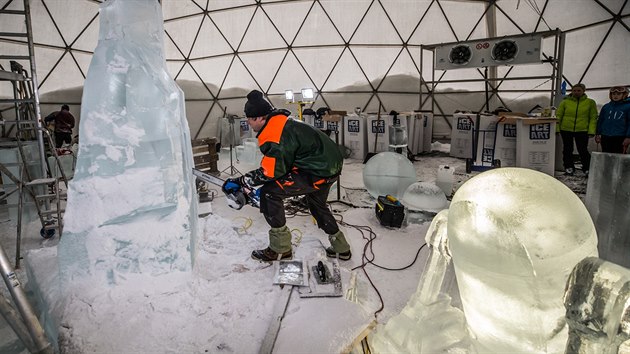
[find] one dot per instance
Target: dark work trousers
(612, 144)
(62, 137)
(294, 184)
(581, 142)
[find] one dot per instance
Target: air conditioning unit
(513, 50)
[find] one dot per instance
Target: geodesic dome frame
(354, 53)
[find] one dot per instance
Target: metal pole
(14, 320)
(38, 115)
(19, 297)
(18, 242)
(485, 76)
(338, 178)
(560, 61)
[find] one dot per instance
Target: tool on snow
(323, 274)
(236, 199)
(322, 281)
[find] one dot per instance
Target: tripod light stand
(232, 136)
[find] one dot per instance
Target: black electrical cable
(368, 256)
(297, 207)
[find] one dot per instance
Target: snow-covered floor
(226, 303)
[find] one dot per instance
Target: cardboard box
(419, 131)
(335, 127)
(317, 122)
(355, 136)
(415, 134)
(462, 134)
(536, 144)
(427, 120)
(334, 116)
(505, 144)
(485, 139)
(464, 137)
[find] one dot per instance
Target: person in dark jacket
(577, 119)
(297, 160)
(613, 125)
(64, 122)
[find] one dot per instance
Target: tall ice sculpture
(131, 205)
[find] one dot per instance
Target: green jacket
(577, 115)
(288, 144)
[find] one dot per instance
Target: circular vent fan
(460, 54)
(504, 51)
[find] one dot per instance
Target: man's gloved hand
(232, 185)
(253, 197)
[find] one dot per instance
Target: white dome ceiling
(354, 53)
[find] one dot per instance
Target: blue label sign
(378, 127)
(354, 126)
(509, 130)
(333, 126)
(319, 123)
(464, 123)
(540, 131)
(244, 126)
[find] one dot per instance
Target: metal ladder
(42, 188)
(25, 103)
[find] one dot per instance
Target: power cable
(298, 207)
(368, 256)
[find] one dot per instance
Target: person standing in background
(577, 120)
(613, 125)
(64, 122)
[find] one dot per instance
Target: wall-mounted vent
(489, 52)
(460, 54)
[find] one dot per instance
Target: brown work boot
(269, 255)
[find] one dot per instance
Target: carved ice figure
(131, 205)
(428, 324)
(515, 235)
(597, 300)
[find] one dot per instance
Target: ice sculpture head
(388, 173)
(515, 235)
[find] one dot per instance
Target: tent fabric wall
(354, 53)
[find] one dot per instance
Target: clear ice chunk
(131, 205)
(397, 136)
(608, 201)
(388, 173)
(425, 196)
(515, 235)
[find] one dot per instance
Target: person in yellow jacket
(577, 122)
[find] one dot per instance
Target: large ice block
(597, 300)
(515, 234)
(131, 205)
(608, 200)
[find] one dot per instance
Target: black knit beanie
(256, 105)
